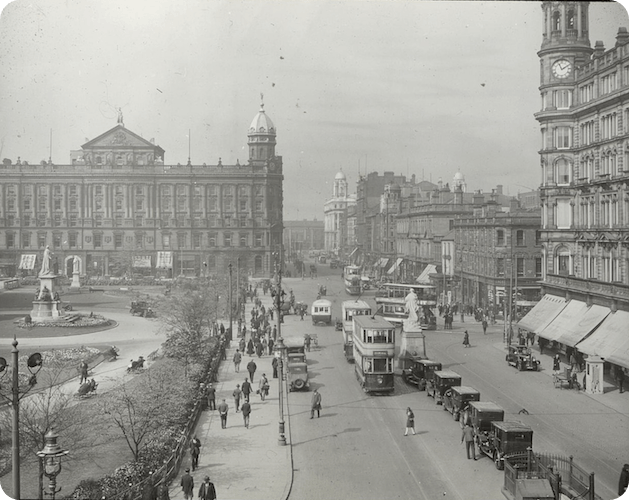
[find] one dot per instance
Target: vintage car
(505, 439)
(441, 381)
(141, 308)
(521, 357)
(296, 357)
(480, 414)
(420, 372)
(457, 398)
(297, 376)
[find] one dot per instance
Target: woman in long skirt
(410, 421)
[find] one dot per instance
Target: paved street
(358, 443)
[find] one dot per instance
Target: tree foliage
(148, 406)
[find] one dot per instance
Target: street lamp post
(51, 457)
(230, 304)
(279, 353)
(34, 364)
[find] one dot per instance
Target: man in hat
(207, 490)
(187, 485)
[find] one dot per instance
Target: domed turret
(340, 176)
(261, 138)
(459, 181)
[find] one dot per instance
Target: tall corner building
(584, 122)
(119, 208)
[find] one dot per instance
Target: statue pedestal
(76, 283)
(45, 308)
(412, 345)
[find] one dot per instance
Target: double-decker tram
(351, 276)
(349, 309)
(374, 345)
(391, 305)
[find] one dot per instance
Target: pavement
(243, 463)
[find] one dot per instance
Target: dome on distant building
(459, 181)
(261, 123)
(459, 176)
(340, 176)
(395, 187)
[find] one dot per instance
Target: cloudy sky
(414, 87)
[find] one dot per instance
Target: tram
(351, 276)
(374, 346)
(349, 309)
(391, 305)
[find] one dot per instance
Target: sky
(415, 87)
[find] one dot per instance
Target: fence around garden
(170, 469)
(563, 474)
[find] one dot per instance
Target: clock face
(562, 68)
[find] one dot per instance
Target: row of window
(587, 212)
(137, 241)
(479, 265)
(605, 267)
(561, 172)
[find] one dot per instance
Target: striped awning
(575, 322)
(610, 340)
(424, 277)
(395, 266)
(543, 313)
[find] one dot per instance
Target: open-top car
(457, 398)
(522, 358)
(420, 372)
(141, 308)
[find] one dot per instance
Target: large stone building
(584, 153)
(302, 236)
(118, 208)
(335, 211)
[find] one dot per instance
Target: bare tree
(50, 408)
(152, 402)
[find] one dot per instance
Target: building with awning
(543, 313)
(395, 265)
(575, 322)
(424, 277)
(610, 340)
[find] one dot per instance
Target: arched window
(563, 171)
(563, 264)
(570, 19)
(556, 21)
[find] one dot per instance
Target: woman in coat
(410, 421)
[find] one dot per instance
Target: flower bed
(82, 321)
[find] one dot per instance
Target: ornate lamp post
(231, 309)
(34, 364)
(279, 354)
(51, 457)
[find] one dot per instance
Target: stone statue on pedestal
(412, 308)
(46, 265)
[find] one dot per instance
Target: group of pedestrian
(207, 491)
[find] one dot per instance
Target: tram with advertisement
(351, 277)
(374, 346)
(349, 309)
(390, 303)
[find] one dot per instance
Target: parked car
(296, 357)
(457, 398)
(297, 376)
(506, 439)
(420, 372)
(480, 415)
(441, 381)
(522, 358)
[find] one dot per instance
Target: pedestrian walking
(237, 360)
(250, 349)
(274, 364)
(187, 485)
(307, 342)
(246, 412)
(246, 390)
(620, 378)
(194, 455)
(263, 387)
(466, 339)
(410, 421)
(83, 369)
(223, 409)
(207, 490)
(556, 363)
(259, 351)
(251, 368)
(211, 397)
(237, 395)
(468, 437)
(271, 343)
(242, 343)
(484, 326)
(623, 483)
(315, 404)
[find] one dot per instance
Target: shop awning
(610, 340)
(164, 260)
(395, 266)
(383, 263)
(27, 261)
(353, 252)
(424, 277)
(574, 323)
(542, 313)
